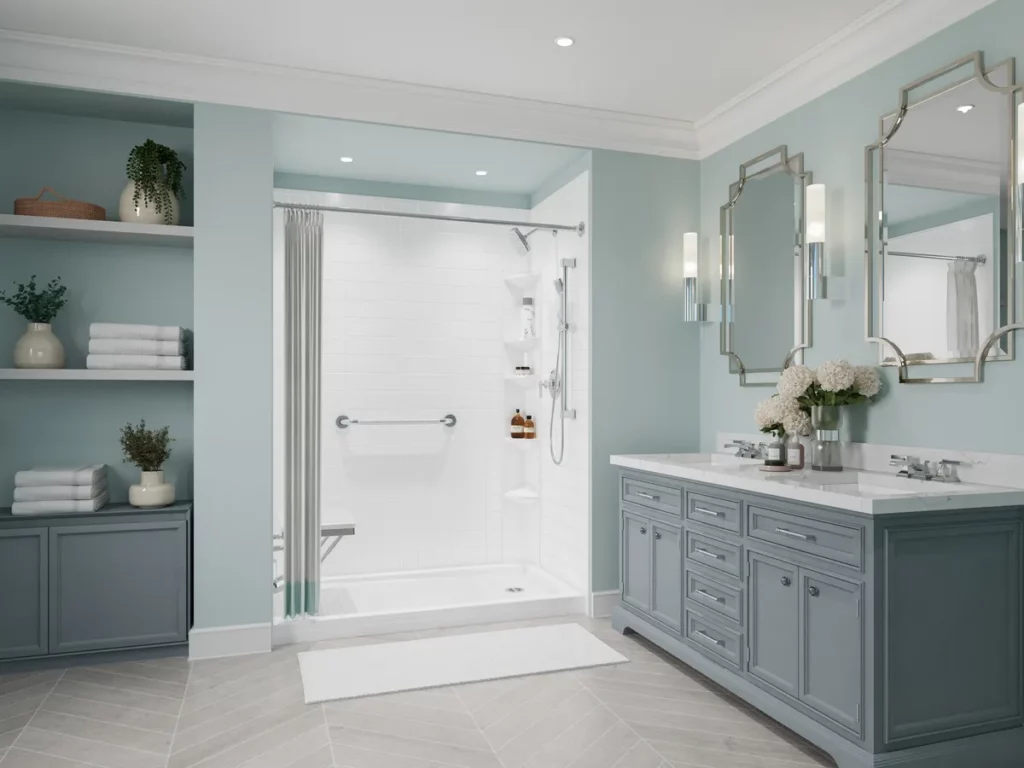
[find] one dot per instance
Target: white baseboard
(601, 603)
(237, 640)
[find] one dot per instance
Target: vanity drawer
(832, 541)
(713, 596)
(646, 494)
(714, 553)
(725, 644)
(710, 510)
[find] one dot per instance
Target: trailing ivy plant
(37, 305)
(156, 171)
(147, 449)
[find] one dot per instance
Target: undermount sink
(715, 459)
(878, 484)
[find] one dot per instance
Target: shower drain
(513, 589)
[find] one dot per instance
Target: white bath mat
(369, 670)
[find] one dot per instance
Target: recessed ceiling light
(481, 173)
(564, 42)
(346, 159)
(963, 110)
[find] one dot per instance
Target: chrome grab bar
(344, 422)
(714, 640)
(794, 534)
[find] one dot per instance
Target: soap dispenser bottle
(518, 425)
(529, 428)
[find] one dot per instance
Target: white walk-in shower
(444, 518)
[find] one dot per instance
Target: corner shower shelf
(522, 496)
(523, 281)
(522, 381)
(85, 231)
(522, 443)
(522, 345)
(84, 374)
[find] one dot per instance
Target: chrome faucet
(911, 467)
(946, 471)
(747, 450)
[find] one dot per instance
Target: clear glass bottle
(794, 452)
(776, 455)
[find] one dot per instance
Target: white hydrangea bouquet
(781, 415)
(834, 383)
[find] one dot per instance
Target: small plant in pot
(155, 189)
(38, 348)
(148, 449)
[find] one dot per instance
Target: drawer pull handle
(708, 596)
(715, 640)
(648, 496)
(708, 553)
(708, 512)
(657, 535)
(813, 591)
(643, 531)
(794, 534)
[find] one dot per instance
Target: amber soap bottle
(518, 425)
(529, 428)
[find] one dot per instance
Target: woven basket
(62, 208)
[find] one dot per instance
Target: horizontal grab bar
(344, 422)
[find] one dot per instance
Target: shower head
(519, 241)
(559, 286)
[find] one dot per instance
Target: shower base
(417, 600)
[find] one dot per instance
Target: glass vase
(826, 451)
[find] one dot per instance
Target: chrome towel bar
(344, 422)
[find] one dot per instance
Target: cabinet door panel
(23, 575)
(774, 622)
(636, 561)
(117, 585)
(667, 575)
(831, 648)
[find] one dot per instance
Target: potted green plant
(148, 449)
(38, 348)
(155, 187)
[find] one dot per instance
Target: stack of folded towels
(46, 491)
(136, 347)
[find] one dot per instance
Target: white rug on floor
(369, 670)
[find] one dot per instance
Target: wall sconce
(816, 281)
(693, 310)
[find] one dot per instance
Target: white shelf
(522, 443)
(522, 345)
(522, 381)
(523, 496)
(85, 231)
(84, 374)
(522, 282)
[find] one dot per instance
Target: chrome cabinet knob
(643, 530)
(786, 581)
(657, 535)
(813, 591)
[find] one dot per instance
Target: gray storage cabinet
(97, 582)
(887, 640)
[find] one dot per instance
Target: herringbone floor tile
(248, 712)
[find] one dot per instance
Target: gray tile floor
(247, 712)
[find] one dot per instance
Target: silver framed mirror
(943, 224)
(766, 315)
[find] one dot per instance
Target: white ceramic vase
(39, 348)
(145, 211)
(152, 491)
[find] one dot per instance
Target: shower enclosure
(432, 514)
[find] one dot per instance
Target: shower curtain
(303, 257)
(962, 308)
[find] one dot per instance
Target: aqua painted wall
(76, 422)
(645, 362)
(233, 360)
(832, 131)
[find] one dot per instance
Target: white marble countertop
(870, 493)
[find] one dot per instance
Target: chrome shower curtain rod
(913, 255)
(579, 229)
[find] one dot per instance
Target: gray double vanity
(879, 617)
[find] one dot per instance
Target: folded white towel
(135, 347)
(135, 362)
(51, 507)
(126, 331)
(86, 475)
(60, 492)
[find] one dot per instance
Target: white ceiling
(675, 59)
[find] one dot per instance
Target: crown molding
(79, 64)
(890, 28)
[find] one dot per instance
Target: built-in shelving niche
(77, 142)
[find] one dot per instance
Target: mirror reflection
(944, 270)
(762, 231)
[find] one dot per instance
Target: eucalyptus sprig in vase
(39, 347)
(148, 449)
(155, 187)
